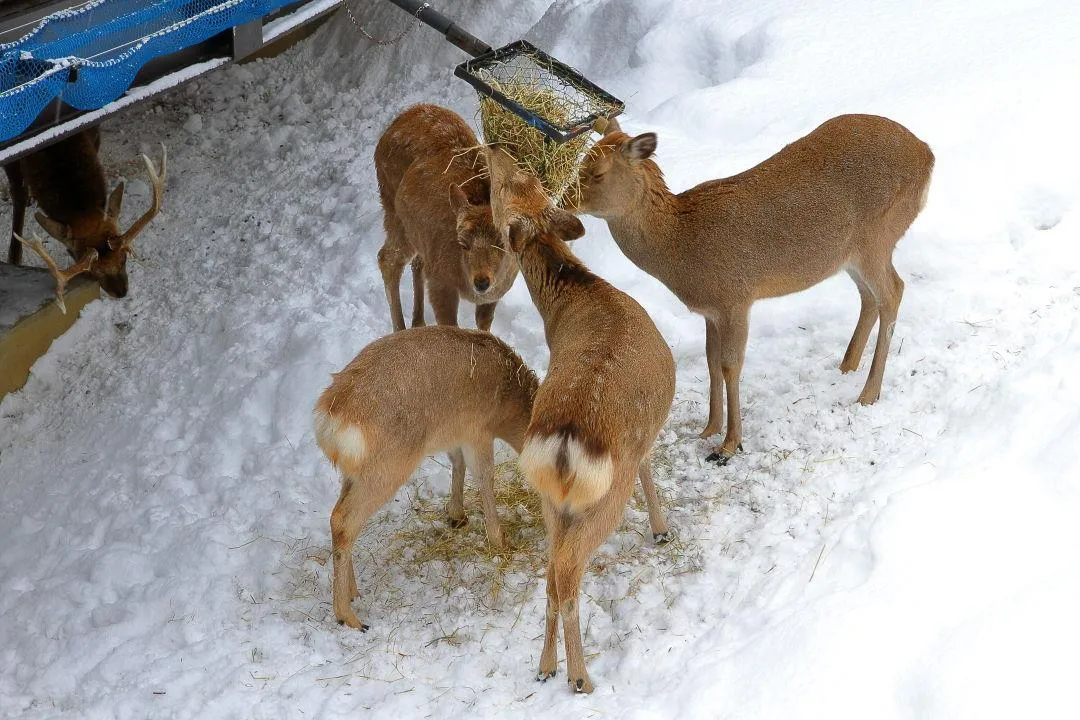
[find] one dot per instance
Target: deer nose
(481, 284)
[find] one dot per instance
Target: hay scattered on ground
(464, 556)
(461, 566)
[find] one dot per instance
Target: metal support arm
(454, 34)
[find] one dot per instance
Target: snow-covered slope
(164, 511)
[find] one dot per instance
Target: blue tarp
(89, 56)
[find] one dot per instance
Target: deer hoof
(664, 537)
(582, 685)
(544, 675)
(720, 459)
(458, 523)
(355, 624)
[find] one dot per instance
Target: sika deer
(405, 396)
(838, 199)
(68, 183)
(436, 214)
(607, 393)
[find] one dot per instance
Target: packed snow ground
(164, 511)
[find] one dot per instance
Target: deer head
(520, 207)
(611, 176)
(484, 257)
(99, 247)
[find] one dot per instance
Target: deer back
(431, 177)
(417, 133)
(611, 376)
(780, 226)
(423, 390)
(66, 179)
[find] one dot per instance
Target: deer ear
(565, 225)
(640, 147)
(116, 199)
(60, 231)
(518, 232)
(458, 199)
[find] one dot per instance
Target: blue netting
(106, 42)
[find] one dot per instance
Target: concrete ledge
(30, 319)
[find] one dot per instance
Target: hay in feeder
(530, 80)
(555, 164)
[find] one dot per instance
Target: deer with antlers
(68, 183)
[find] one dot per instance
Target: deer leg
(345, 525)
(889, 290)
(568, 578)
(480, 457)
(734, 327)
(485, 315)
(549, 658)
(444, 301)
(418, 291)
(657, 523)
(716, 379)
(393, 257)
(868, 313)
(361, 495)
(456, 512)
(19, 199)
(581, 534)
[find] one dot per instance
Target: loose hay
(496, 580)
(464, 556)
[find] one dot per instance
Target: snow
(164, 510)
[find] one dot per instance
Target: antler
(62, 276)
(157, 182)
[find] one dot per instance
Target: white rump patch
(926, 190)
(340, 440)
(585, 480)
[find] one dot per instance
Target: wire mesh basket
(548, 95)
(540, 110)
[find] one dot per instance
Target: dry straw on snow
(466, 558)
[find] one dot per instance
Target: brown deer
(405, 396)
(436, 214)
(607, 393)
(68, 183)
(838, 199)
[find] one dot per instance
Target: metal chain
(401, 36)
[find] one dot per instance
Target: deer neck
(650, 224)
(555, 279)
